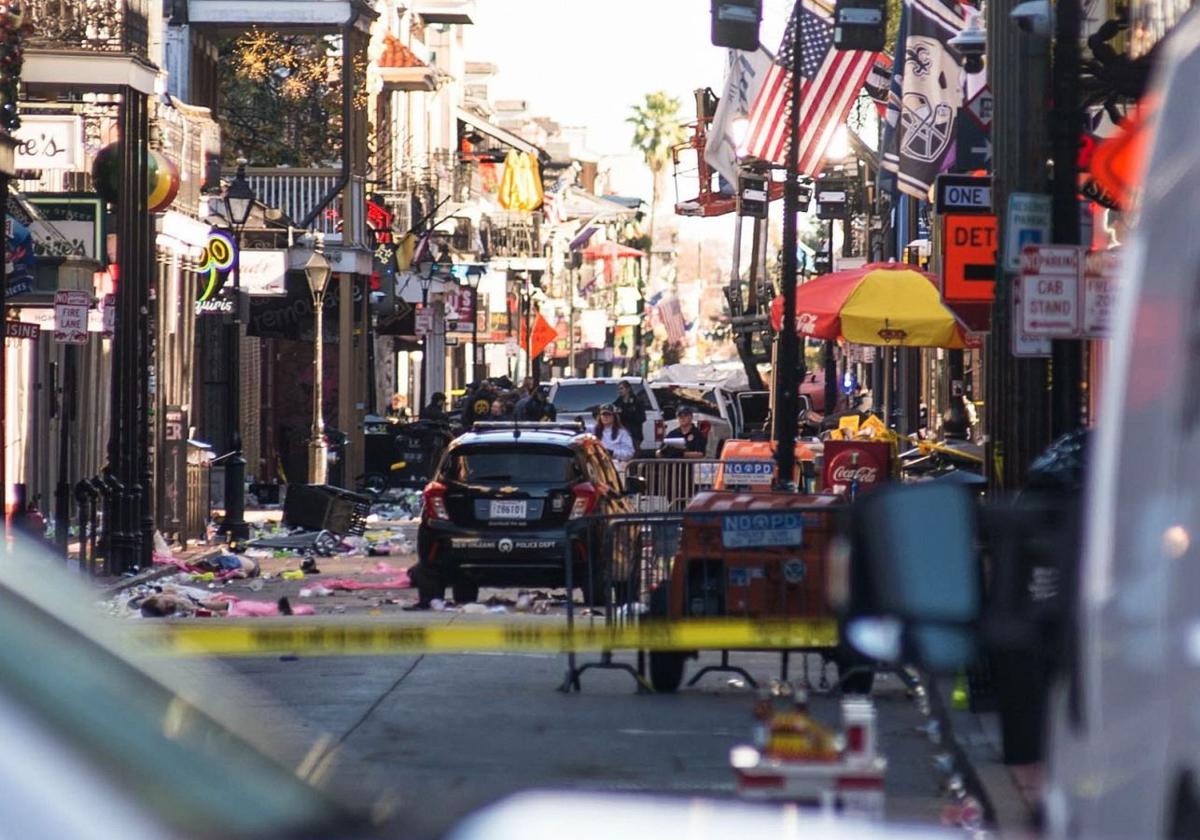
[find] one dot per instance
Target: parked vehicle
(1121, 637)
(713, 410)
(497, 510)
(576, 399)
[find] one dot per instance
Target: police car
(498, 509)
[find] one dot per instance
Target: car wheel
(666, 670)
(465, 592)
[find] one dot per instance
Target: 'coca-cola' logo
(863, 475)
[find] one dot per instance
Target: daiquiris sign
(219, 258)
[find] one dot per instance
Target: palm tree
(656, 129)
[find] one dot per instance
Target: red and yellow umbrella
(881, 304)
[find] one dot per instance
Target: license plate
(507, 510)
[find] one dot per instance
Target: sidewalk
(1009, 792)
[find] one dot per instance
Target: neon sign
(218, 258)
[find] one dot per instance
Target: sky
(583, 62)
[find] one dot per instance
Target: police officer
(689, 441)
(478, 405)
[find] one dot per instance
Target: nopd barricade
(731, 555)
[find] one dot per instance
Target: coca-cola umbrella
(881, 304)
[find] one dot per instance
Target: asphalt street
(435, 737)
(432, 738)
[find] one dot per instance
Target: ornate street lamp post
(318, 272)
(473, 278)
(239, 199)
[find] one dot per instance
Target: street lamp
(473, 277)
(238, 199)
(318, 272)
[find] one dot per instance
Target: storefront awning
(497, 133)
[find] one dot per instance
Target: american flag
(552, 205)
(831, 78)
(671, 316)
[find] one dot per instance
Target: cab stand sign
(1066, 292)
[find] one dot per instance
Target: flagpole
(787, 374)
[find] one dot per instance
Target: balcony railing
(91, 25)
(296, 192)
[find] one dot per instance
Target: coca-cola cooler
(867, 462)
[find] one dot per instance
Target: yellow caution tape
(316, 638)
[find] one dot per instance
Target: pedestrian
(478, 404)
(690, 442)
(632, 411)
(534, 408)
(613, 436)
(397, 409)
(436, 410)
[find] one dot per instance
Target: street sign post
(71, 316)
(969, 261)
(1050, 280)
(1028, 223)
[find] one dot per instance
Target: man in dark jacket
(436, 410)
(478, 404)
(631, 411)
(534, 408)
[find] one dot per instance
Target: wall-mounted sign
(50, 141)
(21, 330)
(263, 271)
(220, 254)
(70, 225)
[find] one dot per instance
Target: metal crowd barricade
(619, 562)
(764, 561)
(671, 483)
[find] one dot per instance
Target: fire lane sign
(1050, 285)
(71, 316)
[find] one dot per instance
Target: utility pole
(1017, 402)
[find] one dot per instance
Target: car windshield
(672, 397)
(516, 466)
(584, 396)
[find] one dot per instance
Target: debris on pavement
(400, 581)
(318, 591)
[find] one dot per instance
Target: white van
(1123, 717)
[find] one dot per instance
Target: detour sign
(969, 263)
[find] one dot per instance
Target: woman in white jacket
(613, 436)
